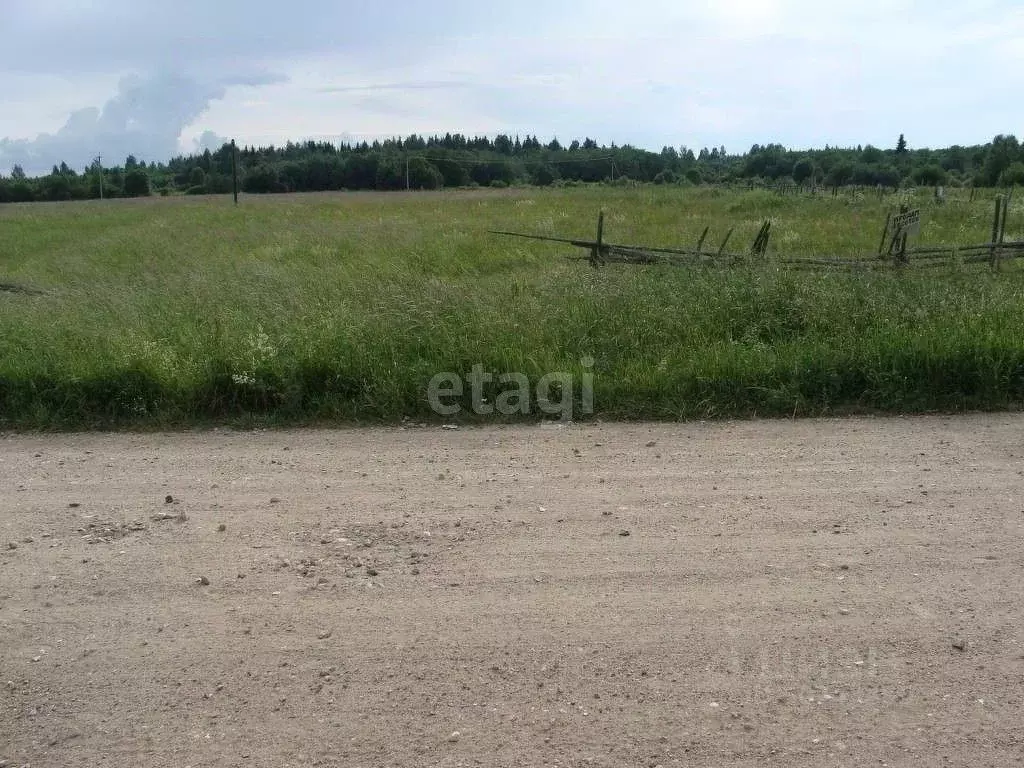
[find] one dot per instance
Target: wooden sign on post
(901, 225)
(908, 223)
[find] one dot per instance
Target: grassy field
(312, 308)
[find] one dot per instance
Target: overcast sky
(154, 78)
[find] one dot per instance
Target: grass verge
(340, 308)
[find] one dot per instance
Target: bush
(929, 176)
(803, 170)
(390, 174)
(1012, 175)
(262, 179)
(452, 173)
(424, 175)
(136, 183)
(57, 188)
(840, 175)
(21, 192)
(543, 175)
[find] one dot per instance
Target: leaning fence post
(885, 234)
(760, 246)
(1002, 229)
(901, 255)
(700, 243)
(993, 252)
(1002, 222)
(721, 248)
(597, 255)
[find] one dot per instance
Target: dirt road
(819, 593)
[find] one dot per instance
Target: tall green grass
(304, 309)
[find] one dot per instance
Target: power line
(505, 158)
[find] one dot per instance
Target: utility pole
(407, 185)
(234, 170)
(99, 165)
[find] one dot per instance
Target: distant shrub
(196, 190)
(803, 170)
(136, 183)
(499, 184)
(21, 192)
(424, 175)
(1012, 175)
(57, 188)
(543, 175)
(840, 175)
(261, 179)
(929, 175)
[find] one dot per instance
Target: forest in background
(454, 160)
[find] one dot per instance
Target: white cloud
(145, 118)
(652, 72)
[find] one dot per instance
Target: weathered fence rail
(893, 251)
(602, 252)
(933, 257)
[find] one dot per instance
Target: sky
(81, 78)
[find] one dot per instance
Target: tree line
(454, 160)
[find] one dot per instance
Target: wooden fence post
(885, 234)
(234, 170)
(1002, 221)
(721, 248)
(597, 255)
(760, 246)
(993, 253)
(700, 243)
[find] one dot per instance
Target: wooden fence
(893, 251)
